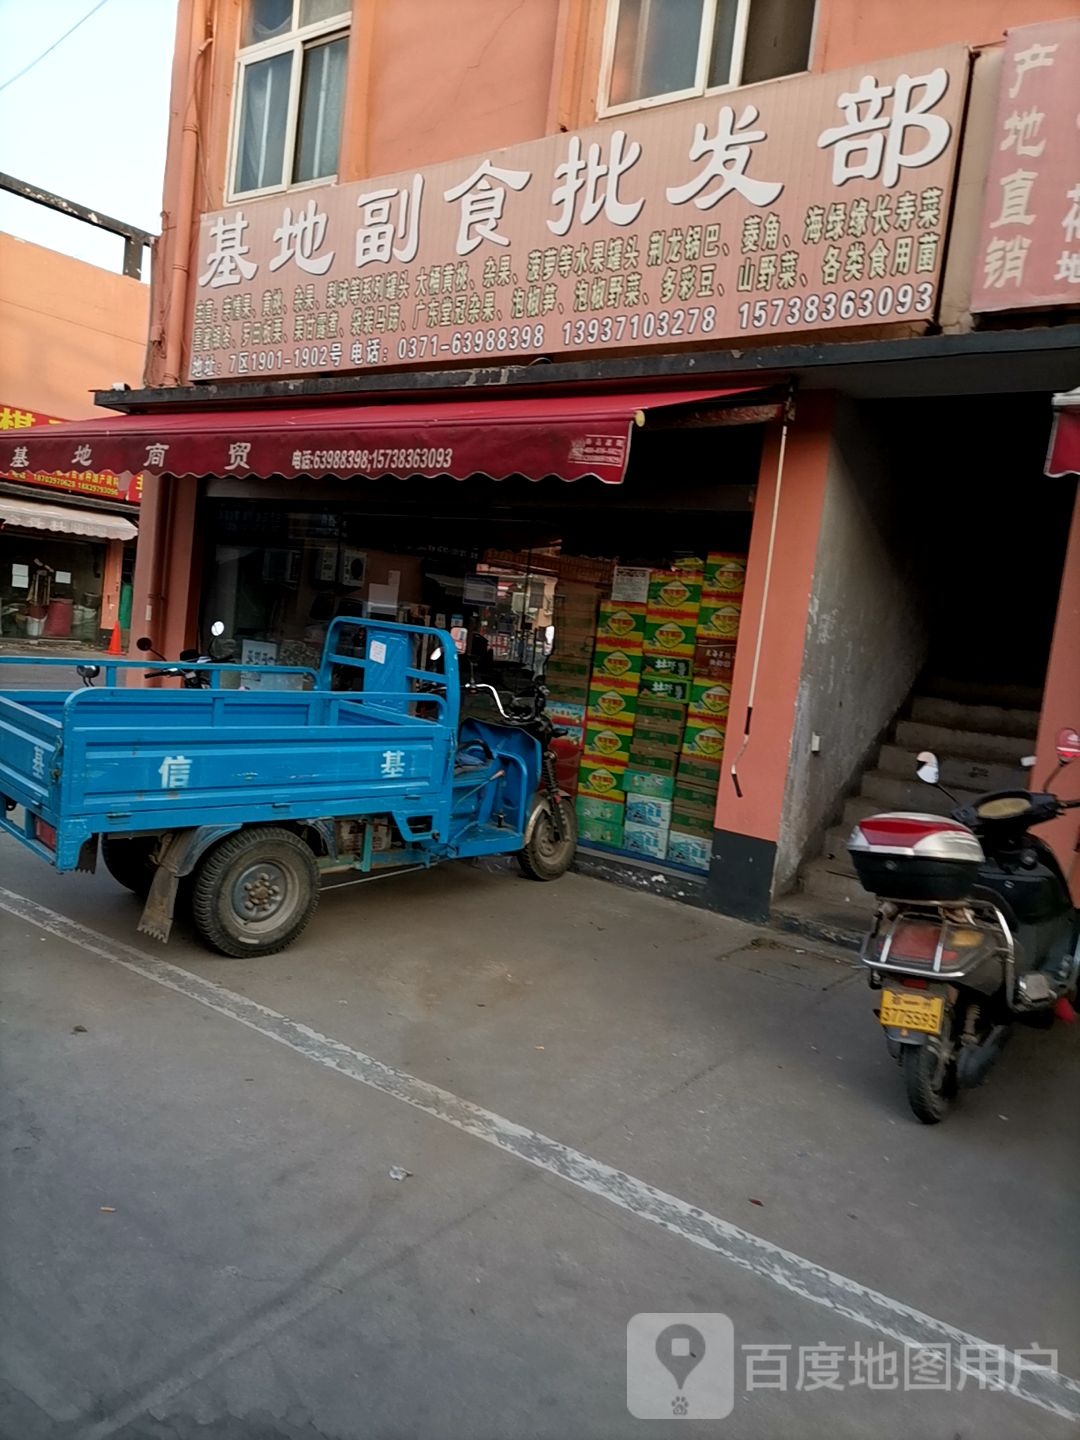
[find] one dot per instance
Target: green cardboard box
(667, 667)
(610, 662)
(648, 782)
(710, 700)
(705, 772)
(608, 744)
(600, 780)
(694, 851)
(704, 739)
(655, 759)
(591, 807)
(661, 688)
(618, 621)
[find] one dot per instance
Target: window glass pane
(723, 39)
(656, 48)
(312, 11)
(777, 39)
(263, 117)
(321, 93)
(263, 19)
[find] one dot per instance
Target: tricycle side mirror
(144, 643)
(928, 770)
(1068, 745)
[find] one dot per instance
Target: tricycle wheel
(546, 855)
(128, 861)
(255, 891)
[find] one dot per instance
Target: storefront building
(673, 387)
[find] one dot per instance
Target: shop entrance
(625, 599)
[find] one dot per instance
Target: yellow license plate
(908, 1010)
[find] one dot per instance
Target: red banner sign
(812, 203)
(1029, 251)
(102, 483)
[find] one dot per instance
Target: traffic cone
(115, 647)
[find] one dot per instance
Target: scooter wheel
(546, 856)
(930, 1082)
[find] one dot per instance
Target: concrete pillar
(748, 826)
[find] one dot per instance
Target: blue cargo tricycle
(250, 796)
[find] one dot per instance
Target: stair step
(914, 735)
(841, 889)
(891, 793)
(953, 714)
(899, 761)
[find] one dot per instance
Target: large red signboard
(103, 483)
(1029, 250)
(817, 202)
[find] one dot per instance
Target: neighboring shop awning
(65, 520)
(568, 436)
(1063, 457)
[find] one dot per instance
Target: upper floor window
(290, 88)
(660, 50)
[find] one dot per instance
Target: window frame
(296, 41)
(700, 88)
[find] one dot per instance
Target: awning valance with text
(65, 520)
(567, 436)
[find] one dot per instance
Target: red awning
(568, 436)
(1063, 457)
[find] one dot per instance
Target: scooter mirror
(928, 771)
(189, 655)
(144, 643)
(1068, 745)
(217, 628)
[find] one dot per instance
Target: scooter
(218, 651)
(551, 833)
(974, 930)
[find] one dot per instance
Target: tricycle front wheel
(255, 892)
(547, 855)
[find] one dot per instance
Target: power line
(27, 68)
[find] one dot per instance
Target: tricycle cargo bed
(115, 760)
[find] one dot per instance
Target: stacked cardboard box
(568, 666)
(611, 705)
(672, 617)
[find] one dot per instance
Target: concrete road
(607, 1104)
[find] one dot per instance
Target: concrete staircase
(979, 743)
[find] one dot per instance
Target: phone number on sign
(377, 461)
(832, 305)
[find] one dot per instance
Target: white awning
(65, 519)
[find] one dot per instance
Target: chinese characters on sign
(82, 478)
(818, 201)
(1029, 248)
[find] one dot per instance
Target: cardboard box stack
(567, 670)
(611, 705)
(702, 750)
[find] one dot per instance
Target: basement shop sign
(818, 202)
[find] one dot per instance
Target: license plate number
(906, 1010)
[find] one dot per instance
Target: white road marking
(1048, 1389)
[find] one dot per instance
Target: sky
(89, 122)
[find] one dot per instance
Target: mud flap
(157, 916)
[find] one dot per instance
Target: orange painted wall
(851, 31)
(763, 765)
(1061, 704)
(66, 328)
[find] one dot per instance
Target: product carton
(568, 716)
(672, 592)
(614, 700)
(725, 574)
(645, 840)
(667, 636)
(648, 782)
(709, 700)
(667, 667)
(608, 744)
(693, 769)
(693, 851)
(612, 662)
(591, 807)
(600, 780)
(657, 759)
(661, 688)
(600, 821)
(625, 622)
(704, 739)
(720, 621)
(714, 659)
(647, 810)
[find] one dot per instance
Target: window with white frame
(660, 50)
(290, 89)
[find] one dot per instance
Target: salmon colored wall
(1061, 704)
(763, 766)
(851, 31)
(66, 328)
